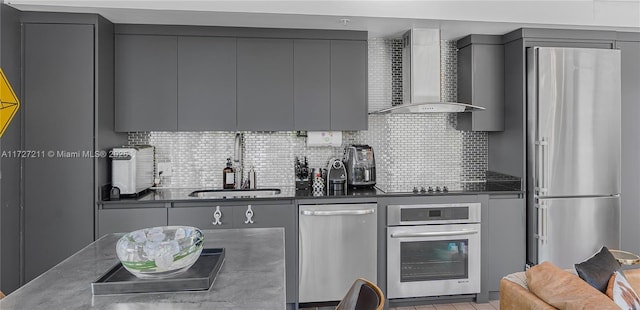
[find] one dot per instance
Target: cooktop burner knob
(445, 189)
(430, 190)
(422, 190)
(437, 188)
(415, 189)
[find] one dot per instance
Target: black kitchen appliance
(360, 164)
(336, 177)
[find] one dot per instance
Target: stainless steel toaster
(132, 169)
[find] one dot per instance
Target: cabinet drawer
(127, 220)
(202, 217)
(261, 216)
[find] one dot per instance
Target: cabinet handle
(249, 215)
(216, 217)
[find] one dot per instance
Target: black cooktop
(460, 187)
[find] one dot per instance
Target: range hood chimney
(421, 76)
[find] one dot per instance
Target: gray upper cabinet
(206, 83)
(207, 79)
(146, 82)
(481, 82)
(312, 86)
(265, 84)
(349, 85)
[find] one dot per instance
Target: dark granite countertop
(499, 184)
(252, 277)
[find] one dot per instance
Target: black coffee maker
(336, 177)
(361, 165)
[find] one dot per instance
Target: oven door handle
(433, 234)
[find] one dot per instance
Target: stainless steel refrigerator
(573, 153)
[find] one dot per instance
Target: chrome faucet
(238, 159)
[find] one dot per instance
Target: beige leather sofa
(515, 293)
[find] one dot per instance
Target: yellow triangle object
(9, 103)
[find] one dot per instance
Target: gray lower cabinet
(349, 106)
(130, 218)
(312, 86)
(202, 215)
(58, 116)
(506, 248)
(146, 83)
(239, 215)
(630, 196)
(206, 83)
(481, 82)
(265, 84)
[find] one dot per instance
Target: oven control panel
(426, 214)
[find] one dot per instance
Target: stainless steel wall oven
(433, 250)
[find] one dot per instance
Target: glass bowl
(160, 252)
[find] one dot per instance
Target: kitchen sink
(235, 193)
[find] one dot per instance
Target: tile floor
(492, 305)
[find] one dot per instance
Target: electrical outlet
(165, 168)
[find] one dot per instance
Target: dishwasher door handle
(433, 234)
(338, 212)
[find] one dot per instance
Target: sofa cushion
(515, 297)
(564, 290)
(622, 293)
(633, 276)
(597, 269)
(518, 278)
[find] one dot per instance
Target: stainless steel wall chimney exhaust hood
(421, 76)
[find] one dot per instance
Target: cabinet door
(312, 87)
(127, 220)
(202, 217)
(274, 215)
(506, 246)
(630, 105)
(58, 117)
(481, 83)
(265, 84)
(146, 83)
(465, 74)
(349, 85)
(206, 83)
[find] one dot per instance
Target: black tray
(198, 277)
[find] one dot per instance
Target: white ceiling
(383, 19)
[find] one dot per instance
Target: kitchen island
(252, 277)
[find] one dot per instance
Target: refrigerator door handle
(542, 222)
(542, 169)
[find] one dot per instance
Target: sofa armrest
(515, 297)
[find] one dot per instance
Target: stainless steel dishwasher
(337, 245)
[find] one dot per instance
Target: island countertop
(252, 277)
